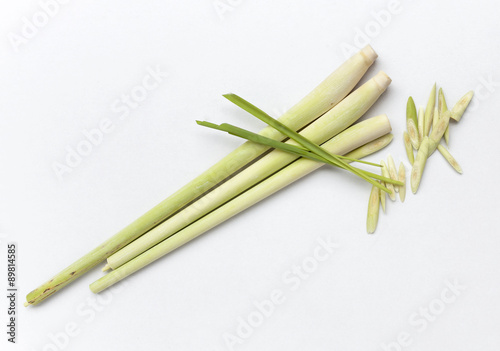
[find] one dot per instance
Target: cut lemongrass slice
(373, 210)
(451, 160)
(412, 123)
(458, 110)
(383, 198)
(393, 172)
(408, 148)
(421, 122)
(435, 118)
(438, 132)
(402, 178)
(385, 173)
(442, 108)
(419, 165)
(429, 111)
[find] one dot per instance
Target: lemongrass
(458, 110)
(451, 160)
(385, 173)
(392, 171)
(351, 138)
(438, 132)
(429, 110)
(300, 139)
(331, 123)
(435, 117)
(442, 108)
(382, 195)
(373, 210)
(412, 123)
(326, 95)
(408, 147)
(419, 165)
(297, 150)
(421, 122)
(402, 178)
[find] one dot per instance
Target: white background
(65, 79)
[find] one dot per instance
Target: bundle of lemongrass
(258, 168)
(378, 198)
(426, 130)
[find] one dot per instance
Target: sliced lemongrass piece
(429, 111)
(298, 138)
(106, 268)
(435, 117)
(451, 160)
(328, 125)
(419, 165)
(325, 96)
(349, 139)
(438, 132)
(373, 210)
(443, 107)
(385, 173)
(421, 123)
(412, 123)
(392, 171)
(408, 147)
(458, 110)
(402, 178)
(382, 195)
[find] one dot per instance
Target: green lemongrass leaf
(245, 134)
(313, 147)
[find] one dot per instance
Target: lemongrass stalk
(438, 132)
(451, 160)
(385, 173)
(429, 110)
(421, 122)
(392, 171)
(373, 210)
(351, 138)
(419, 165)
(412, 123)
(326, 95)
(408, 148)
(402, 178)
(330, 124)
(458, 110)
(370, 147)
(443, 107)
